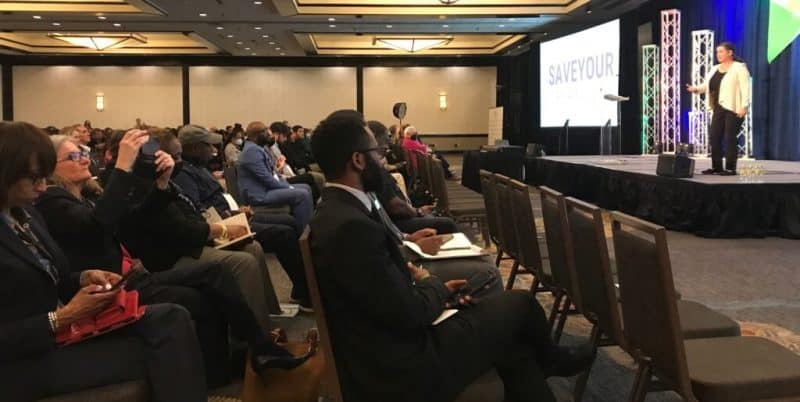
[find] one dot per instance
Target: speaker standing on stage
(728, 88)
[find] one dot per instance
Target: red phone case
(123, 311)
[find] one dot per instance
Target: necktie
(385, 219)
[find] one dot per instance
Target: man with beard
(260, 184)
(276, 233)
(380, 309)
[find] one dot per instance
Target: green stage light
(784, 26)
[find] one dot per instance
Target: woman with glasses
(84, 223)
(42, 297)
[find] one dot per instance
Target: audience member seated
(79, 134)
(301, 174)
(259, 182)
(413, 143)
(276, 233)
(407, 218)
(168, 233)
(380, 309)
(303, 136)
(234, 147)
(84, 225)
(291, 148)
(41, 296)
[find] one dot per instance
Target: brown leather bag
(298, 385)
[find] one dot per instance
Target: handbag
(301, 384)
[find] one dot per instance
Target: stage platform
(709, 206)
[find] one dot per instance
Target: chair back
(330, 378)
(530, 256)
(424, 167)
(647, 292)
(439, 186)
(556, 229)
(488, 181)
(411, 167)
(232, 182)
(594, 278)
(511, 245)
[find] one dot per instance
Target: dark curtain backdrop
(776, 97)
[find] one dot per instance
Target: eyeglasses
(35, 178)
(76, 156)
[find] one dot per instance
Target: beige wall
(470, 94)
(220, 96)
(62, 95)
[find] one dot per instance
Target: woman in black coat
(41, 297)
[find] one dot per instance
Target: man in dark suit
(380, 308)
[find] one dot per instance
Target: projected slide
(576, 71)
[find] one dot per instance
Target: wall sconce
(443, 100)
(100, 102)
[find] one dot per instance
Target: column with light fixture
(650, 99)
(702, 62)
(670, 80)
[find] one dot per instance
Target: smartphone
(122, 281)
(145, 165)
(475, 285)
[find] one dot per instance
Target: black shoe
(571, 360)
(271, 356)
(727, 173)
(711, 171)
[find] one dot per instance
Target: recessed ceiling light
(331, 26)
(247, 48)
(37, 17)
(56, 24)
(389, 26)
(252, 54)
(278, 49)
(502, 26)
(512, 19)
(271, 42)
(258, 3)
(265, 36)
(229, 36)
(101, 17)
(257, 28)
(203, 15)
(283, 54)
(220, 28)
(239, 43)
(117, 24)
(445, 26)
(331, 19)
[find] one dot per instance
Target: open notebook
(212, 216)
(458, 247)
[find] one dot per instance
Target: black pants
(276, 234)
(210, 324)
(507, 332)
(161, 347)
(725, 127)
(443, 225)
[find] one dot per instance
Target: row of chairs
(452, 199)
(688, 347)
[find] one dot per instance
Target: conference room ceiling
(276, 28)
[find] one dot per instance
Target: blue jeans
(298, 198)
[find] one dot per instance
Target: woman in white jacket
(728, 88)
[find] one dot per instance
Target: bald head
(255, 129)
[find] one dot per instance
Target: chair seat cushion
(699, 321)
(741, 368)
